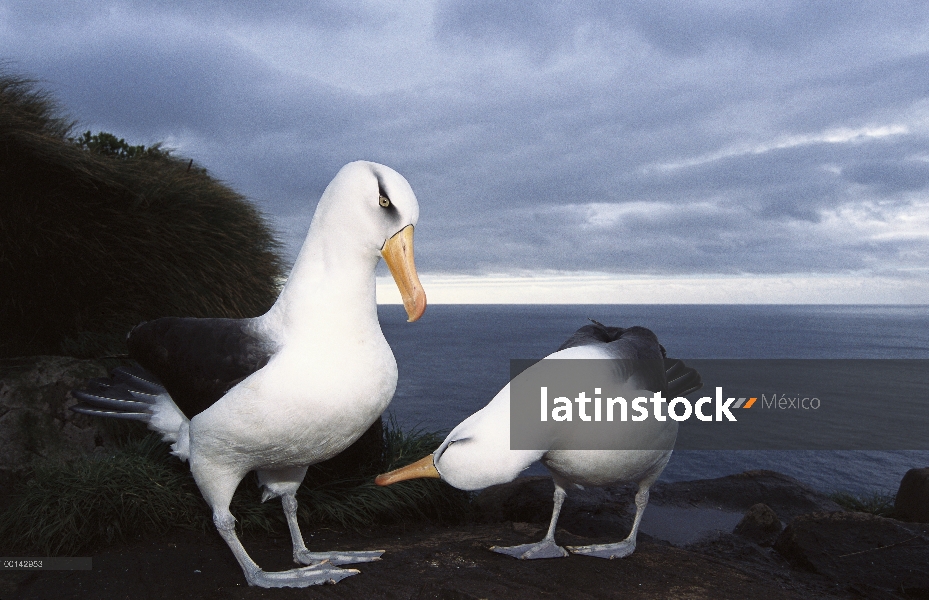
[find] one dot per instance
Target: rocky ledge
(778, 539)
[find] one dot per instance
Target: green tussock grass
(65, 508)
(877, 503)
(97, 235)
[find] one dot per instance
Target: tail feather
(134, 394)
(682, 380)
(114, 414)
(124, 391)
(103, 399)
(138, 379)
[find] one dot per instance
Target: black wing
(198, 360)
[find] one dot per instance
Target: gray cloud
(649, 138)
(678, 27)
(888, 176)
(309, 13)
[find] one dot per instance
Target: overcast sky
(655, 151)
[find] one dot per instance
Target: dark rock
(912, 501)
(587, 512)
(596, 513)
(733, 547)
(862, 550)
(437, 591)
(35, 420)
(785, 495)
(760, 525)
(524, 500)
(607, 512)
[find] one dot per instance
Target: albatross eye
(384, 201)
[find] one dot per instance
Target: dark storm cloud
(179, 86)
(318, 13)
(678, 27)
(650, 138)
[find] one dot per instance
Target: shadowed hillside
(97, 235)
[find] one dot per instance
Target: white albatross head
(475, 455)
(367, 211)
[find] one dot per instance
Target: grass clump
(876, 503)
(63, 509)
(98, 234)
(356, 501)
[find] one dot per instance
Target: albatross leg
(284, 483)
(305, 557)
(217, 483)
(627, 546)
(547, 548)
(302, 577)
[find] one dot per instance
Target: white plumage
(477, 454)
(293, 387)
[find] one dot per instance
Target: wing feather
(198, 360)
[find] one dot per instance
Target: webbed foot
(543, 549)
(617, 550)
(305, 557)
(302, 577)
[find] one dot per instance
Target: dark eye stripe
(384, 200)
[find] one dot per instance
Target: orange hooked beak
(398, 254)
(422, 468)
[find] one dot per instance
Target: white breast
(304, 406)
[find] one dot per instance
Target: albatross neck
(330, 292)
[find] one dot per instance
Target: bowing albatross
(477, 454)
(291, 388)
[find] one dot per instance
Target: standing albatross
(288, 389)
(477, 453)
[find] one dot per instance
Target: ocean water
(456, 358)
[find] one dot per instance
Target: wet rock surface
(783, 494)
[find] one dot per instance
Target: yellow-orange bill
(422, 468)
(398, 254)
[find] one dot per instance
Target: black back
(198, 360)
(643, 343)
(670, 376)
